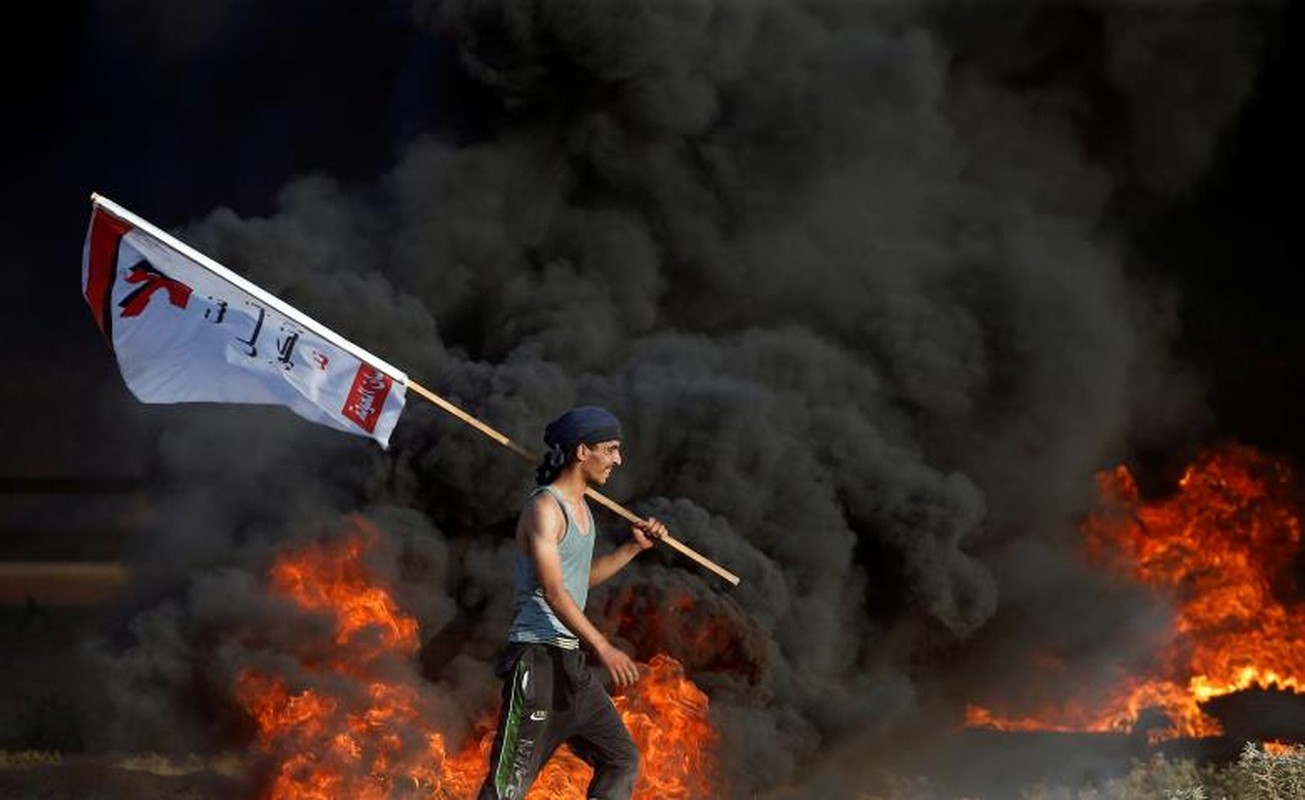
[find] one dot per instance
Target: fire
(1283, 749)
(1216, 549)
(719, 637)
(352, 718)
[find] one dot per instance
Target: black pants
(549, 697)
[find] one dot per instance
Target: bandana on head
(587, 424)
(583, 424)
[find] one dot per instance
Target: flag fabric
(186, 329)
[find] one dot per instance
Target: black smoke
(875, 289)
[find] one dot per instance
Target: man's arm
(539, 532)
(641, 538)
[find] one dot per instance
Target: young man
(549, 696)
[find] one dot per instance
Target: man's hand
(646, 532)
(622, 668)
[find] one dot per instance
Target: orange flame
(357, 720)
(1215, 549)
(1283, 749)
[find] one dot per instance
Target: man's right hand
(622, 668)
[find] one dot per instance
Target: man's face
(598, 460)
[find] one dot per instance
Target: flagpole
(597, 496)
(292, 313)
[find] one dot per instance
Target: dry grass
(229, 765)
(18, 759)
(1257, 775)
(1273, 776)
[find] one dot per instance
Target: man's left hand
(646, 532)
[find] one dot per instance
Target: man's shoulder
(539, 497)
(541, 510)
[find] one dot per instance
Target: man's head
(587, 437)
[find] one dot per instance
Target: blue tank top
(534, 620)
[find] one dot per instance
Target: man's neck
(571, 484)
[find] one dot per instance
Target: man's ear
(581, 452)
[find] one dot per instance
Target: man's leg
(602, 741)
(521, 743)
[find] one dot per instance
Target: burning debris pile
(357, 719)
(1223, 551)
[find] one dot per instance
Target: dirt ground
(105, 778)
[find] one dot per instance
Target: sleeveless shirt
(534, 621)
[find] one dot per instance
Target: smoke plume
(852, 275)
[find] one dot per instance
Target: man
(549, 696)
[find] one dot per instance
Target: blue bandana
(587, 424)
(583, 424)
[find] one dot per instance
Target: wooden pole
(676, 544)
(597, 496)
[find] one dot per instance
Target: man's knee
(624, 769)
(628, 762)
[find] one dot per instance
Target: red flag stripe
(106, 234)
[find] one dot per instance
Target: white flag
(186, 329)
